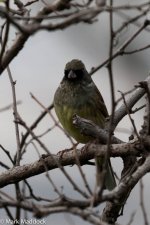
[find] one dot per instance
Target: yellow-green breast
(65, 115)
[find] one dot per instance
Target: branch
(146, 120)
(130, 102)
(89, 128)
(111, 211)
(18, 45)
(64, 158)
(34, 125)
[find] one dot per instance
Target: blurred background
(38, 69)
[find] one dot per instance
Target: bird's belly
(65, 115)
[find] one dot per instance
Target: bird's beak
(72, 75)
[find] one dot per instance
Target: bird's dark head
(75, 64)
(75, 71)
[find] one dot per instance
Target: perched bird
(78, 94)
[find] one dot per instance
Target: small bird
(78, 94)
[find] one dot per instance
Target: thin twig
(4, 165)
(121, 49)
(15, 112)
(35, 124)
(132, 20)
(7, 153)
(145, 216)
(131, 101)
(136, 50)
(131, 218)
(132, 121)
(9, 106)
(56, 123)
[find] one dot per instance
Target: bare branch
(142, 203)
(90, 151)
(130, 102)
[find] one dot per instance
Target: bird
(77, 94)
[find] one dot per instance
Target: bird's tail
(110, 182)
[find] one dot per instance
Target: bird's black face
(74, 74)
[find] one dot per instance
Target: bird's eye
(79, 73)
(73, 75)
(66, 73)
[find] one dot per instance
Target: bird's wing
(100, 103)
